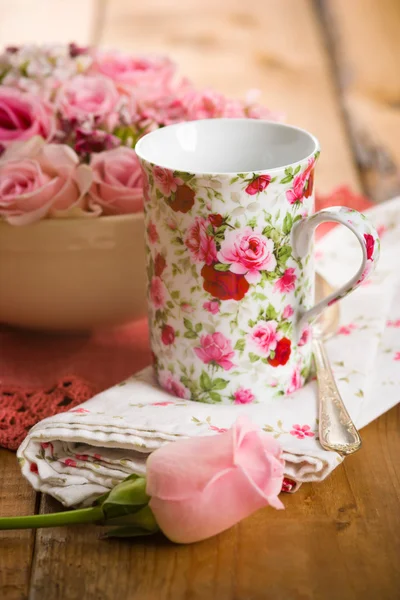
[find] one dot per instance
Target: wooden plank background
(334, 68)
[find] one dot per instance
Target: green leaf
(275, 236)
(284, 252)
(286, 179)
(360, 394)
(198, 327)
(205, 381)
(259, 296)
(271, 313)
(253, 357)
(188, 324)
(219, 384)
(175, 294)
(221, 267)
(158, 194)
(267, 230)
(289, 171)
(215, 397)
(240, 345)
(287, 224)
(297, 218)
(268, 428)
(190, 335)
(285, 327)
(297, 169)
(170, 304)
(252, 222)
(233, 180)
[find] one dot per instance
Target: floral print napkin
(78, 455)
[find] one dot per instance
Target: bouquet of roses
(69, 120)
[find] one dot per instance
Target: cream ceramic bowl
(73, 274)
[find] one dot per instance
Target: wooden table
(334, 67)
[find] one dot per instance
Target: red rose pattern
(167, 335)
(224, 285)
(216, 220)
(159, 265)
(259, 184)
(282, 353)
(370, 245)
(183, 199)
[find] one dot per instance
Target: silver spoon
(337, 431)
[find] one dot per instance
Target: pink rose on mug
(84, 97)
(22, 116)
(248, 252)
(201, 245)
(38, 179)
(117, 181)
(216, 349)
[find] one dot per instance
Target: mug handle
(366, 234)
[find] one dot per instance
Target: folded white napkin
(78, 455)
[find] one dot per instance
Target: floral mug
(229, 225)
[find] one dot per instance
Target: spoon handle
(336, 429)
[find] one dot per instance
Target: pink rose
(299, 184)
(212, 307)
(186, 308)
(209, 104)
(171, 384)
(201, 246)
(287, 282)
(117, 184)
(287, 312)
(172, 224)
(158, 293)
(22, 116)
(165, 180)
(306, 335)
(264, 337)
(295, 381)
(247, 252)
(152, 233)
(216, 349)
(259, 184)
(239, 472)
(83, 97)
(147, 75)
(38, 179)
(243, 396)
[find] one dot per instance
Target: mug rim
(142, 155)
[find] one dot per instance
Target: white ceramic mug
(229, 216)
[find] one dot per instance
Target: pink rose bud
(202, 486)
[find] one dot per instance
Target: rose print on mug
(229, 258)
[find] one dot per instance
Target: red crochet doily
(21, 408)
